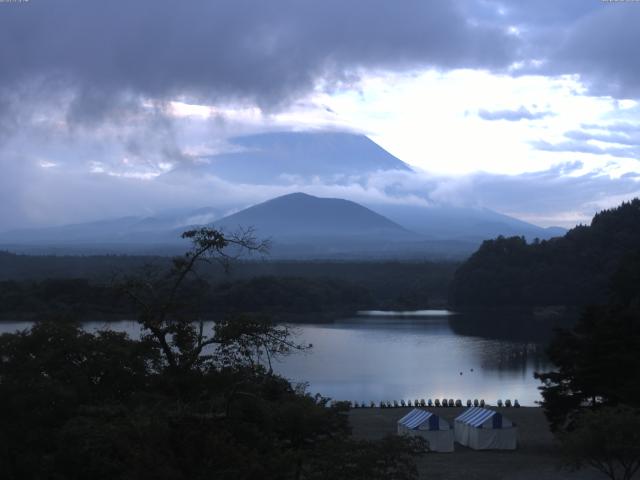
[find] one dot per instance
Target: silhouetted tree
(607, 439)
(178, 404)
(163, 299)
(597, 362)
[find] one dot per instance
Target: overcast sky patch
(530, 105)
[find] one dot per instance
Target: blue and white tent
(428, 425)
(484, 429)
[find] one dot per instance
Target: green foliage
(570, 270)
(289, 295)
(597, 362)
(48, 373)
(76, 405)
(179, 404)
(390, 458)
(272, 295)
(607, 439)
(75, 296)
(382, 284)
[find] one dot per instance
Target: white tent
(483, 429)
(435, 430)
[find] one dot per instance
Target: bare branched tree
(164, 301)
(246, 341)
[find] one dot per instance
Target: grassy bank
(537, 456)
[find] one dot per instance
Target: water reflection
(514, 325)
(514, 357)
(412, 313)
(380, 357)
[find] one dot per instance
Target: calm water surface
(430, 354)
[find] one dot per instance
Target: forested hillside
(571, 270)
(266, 295)
(37, 284)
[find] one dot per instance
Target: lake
(426, 354)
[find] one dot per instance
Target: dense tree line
(570, 270)
(272, 295)
(598, 361)
(77, 297)
(592, 397)
(100, 268)
(390, 282)
(180, 403)
(290, 295)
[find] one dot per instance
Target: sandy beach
(535, 459)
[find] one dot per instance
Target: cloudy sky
(528, 108)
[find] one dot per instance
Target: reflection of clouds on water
(516, 326)
(375, 359)
(382, 358)
(130, 327)
(404, 314)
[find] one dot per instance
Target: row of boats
(431, 403)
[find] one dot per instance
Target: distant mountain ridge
(154, 229)
(300, 226)
(462, 223)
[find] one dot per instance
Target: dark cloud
(542, 12)
(602, 48)
(240, 50)
(66, 66)
(512, 115)
(595, 39)
(265, 53)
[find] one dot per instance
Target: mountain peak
(302, 215)
(279, 157)
(305, 199)
(295, 196)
